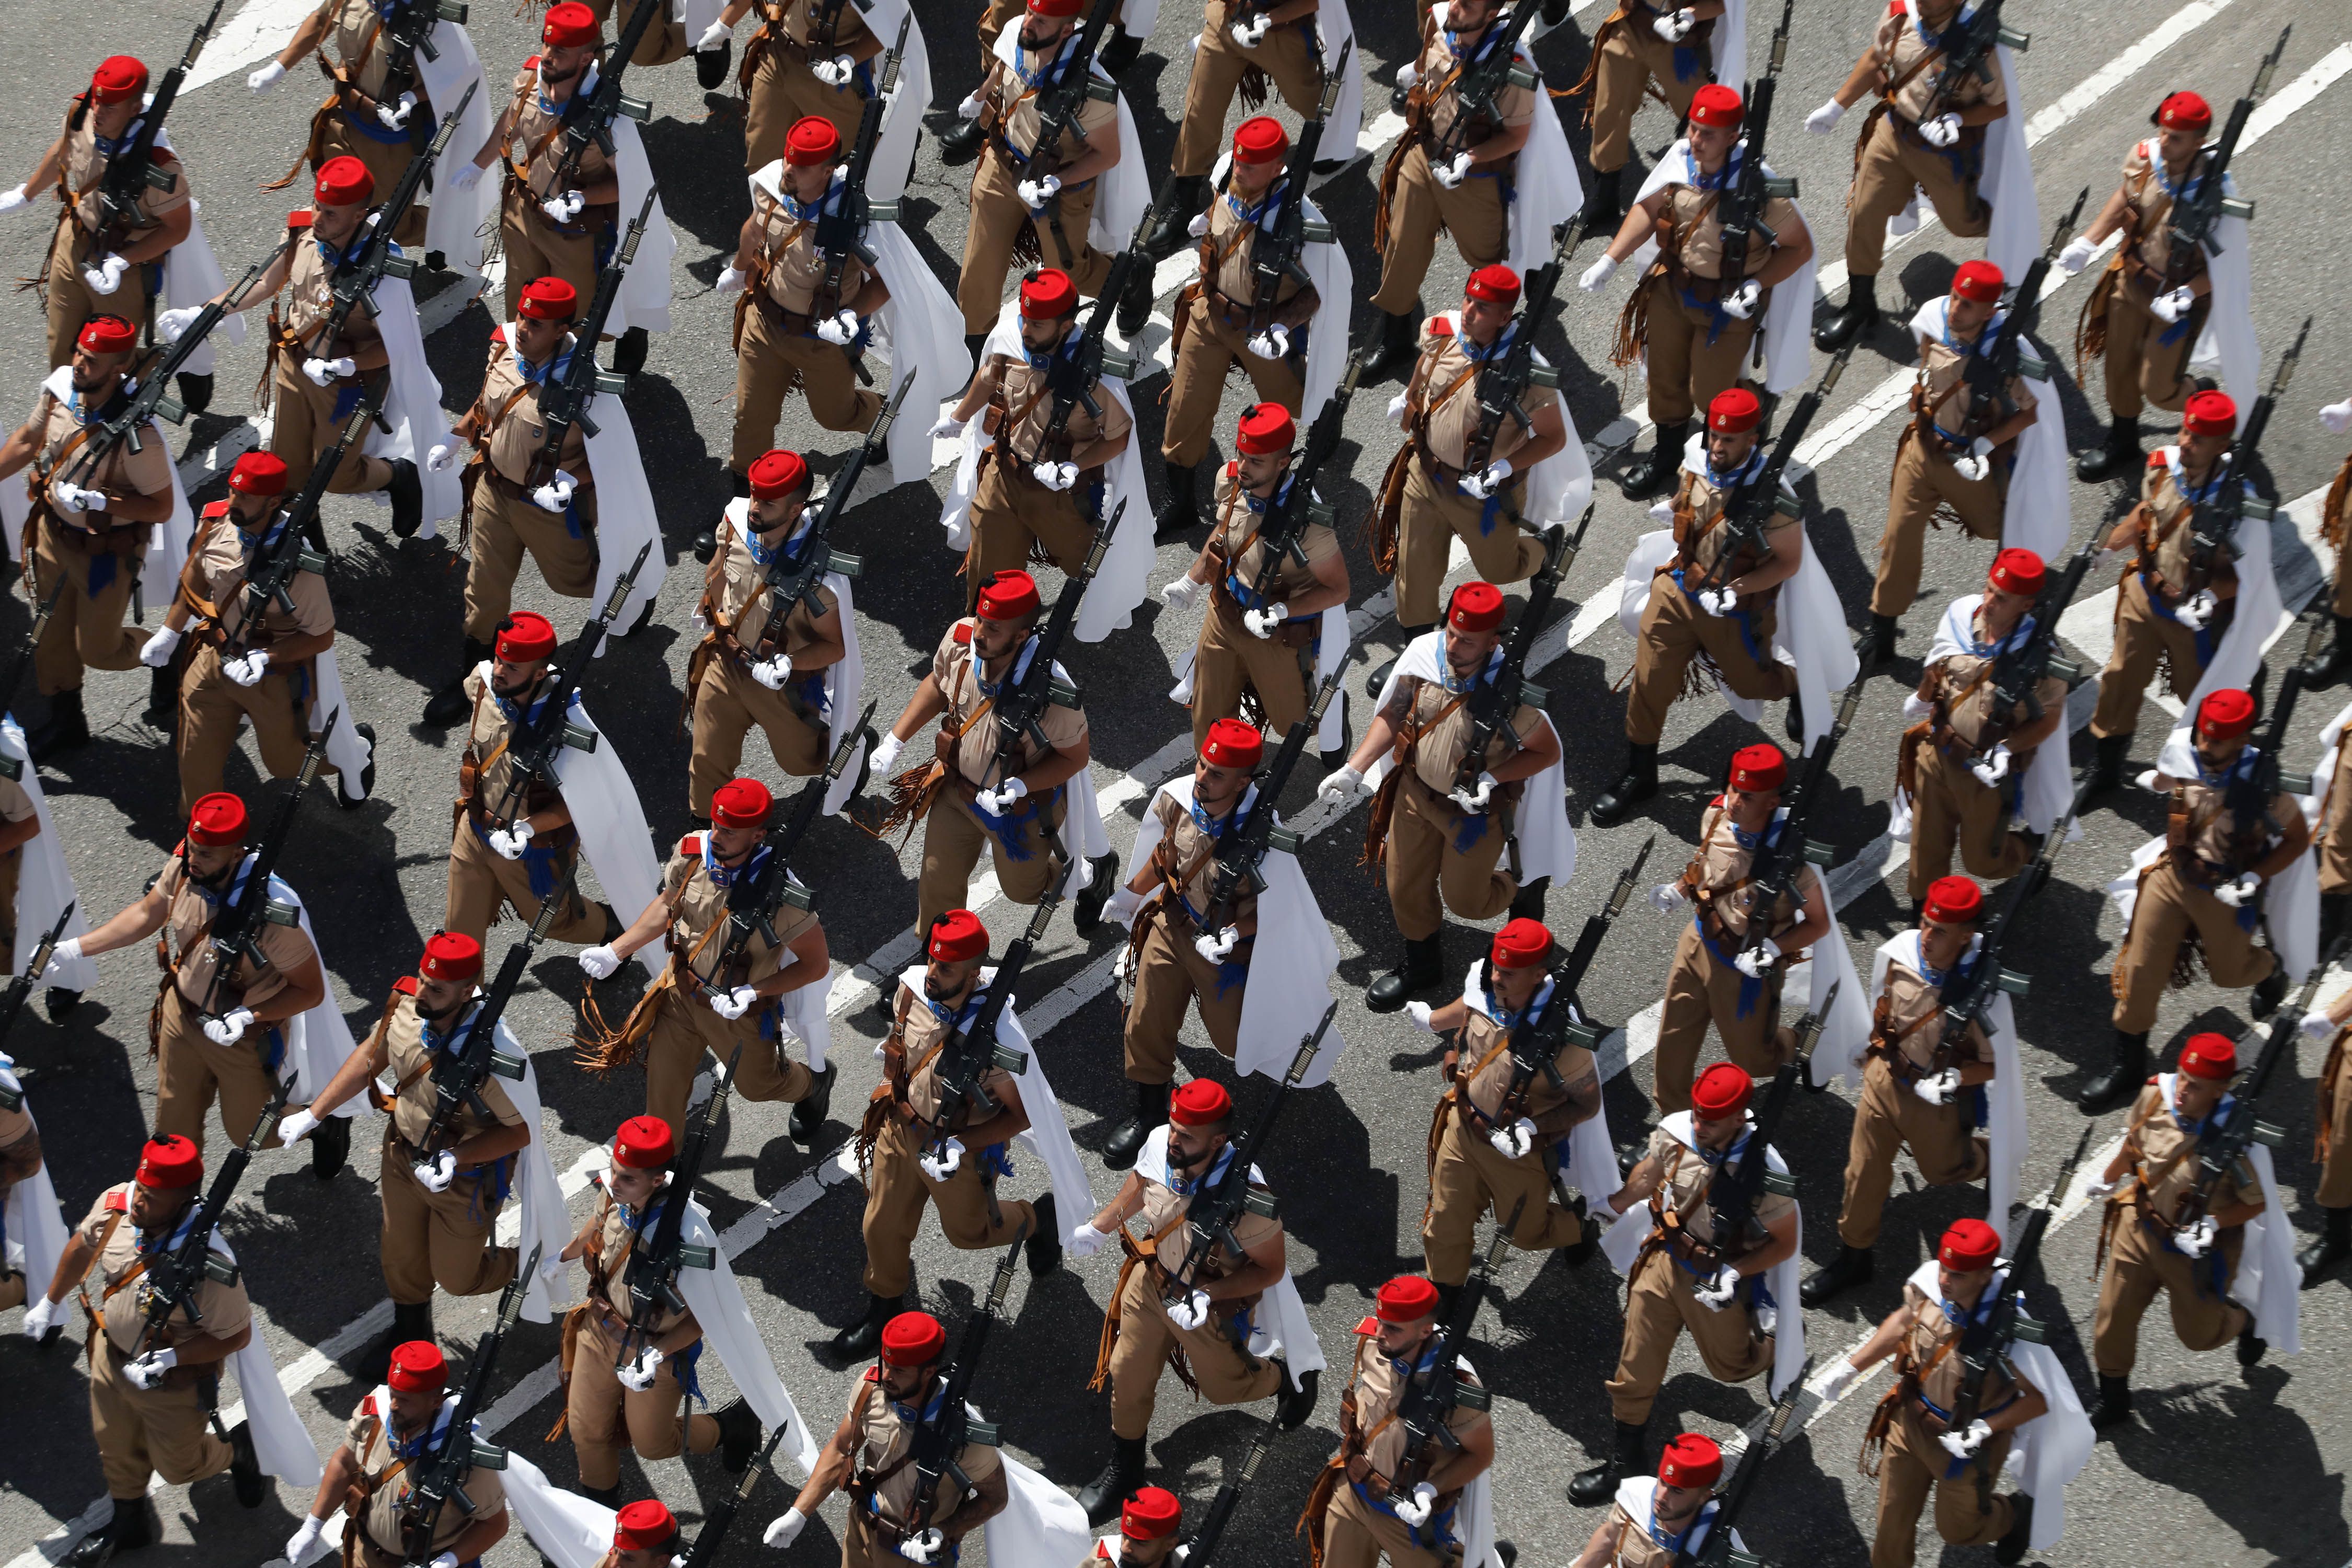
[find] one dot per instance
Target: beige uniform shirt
(1439, 65)
(1444, 408)
(922, 1039)
(2166, 513)
(797, 20)
(85, 168)
(1699, 232)
(311, 302)
(403, 1033)
(1938, 391)
(1017, 115)
(1164, 1209)
(1029, 406)
(957, 674)
(223, 1308)
(2150, 203)
(1908, 1025)
(1190, 857)
(1722, 870)
(2165, 1166)
(1437, 757)
(1229, 251)
(1923, 1342)
(1701, 540)
(1964, 703)
(1236, 529)
(1898, 46)
(509, 406)
(535, 146)
(1486, 1060)
(735, 596)
(365, 1435)
(486, 769)
(796, 267)
(284, 948)
(1377, 1392)
(353, 30)
(2201, 825)
(1683, 1188)
(608, 1282)
(217, 567)
(55, 427)
(696, 903)
(880, 1460)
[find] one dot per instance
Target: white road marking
(261, 28)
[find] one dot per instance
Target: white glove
(2145, 778)
(923, 1547)
(1414, 1510)
(785, 1528)
(298, 1544)
(467, 176)
(1421, 1012)
(945, 1163)
(148, 1370)
(1674, 25)
(2195, 610)
(1179, 594)
(442, 455)
(1408, 74)
(1742, 302)
(1666, 897)
(2076, 256)
(1823, 121)
(1272, 343)
(42, 1315)
(772, 673)
(598, 963)
(65, 953)
(733, 1004)
(1191, 1312)
(2099, 1187)
(1199, 227)
(248, 669)
(1717, 1292)
(156, 652)
(556, 494)
(1718, 601)
(446, 1559)
(840, 329)
(947, 427)
(2319, 1025)
(1453, 173)
(1035, 194)
(14, 200)
(394, 117)
(1976, 462)
(1266, 621)
(1123, 906)
(1085, 1240)
(970, 107)
(1663, 511)
(885, 753)
(1249, 35)
(1397, 406)
(1837, 1380)
(296, 1125)
(731, 280)
(639, 1374)
(838, 71)
(1488, 482)
(1993, 766)
(1964, 1444)
(1758, 960)
(1218, 948)
(713, 36)
(1055, 475)
(258, 82)
(229, 1028)
(1474, 799)
(1937, 1088)
(510, 842)
(1942, 130)
(435, 1175)
(106, 277)
(1514, 1142)
(2197, 1239)
(2337, 417)
(169, 325)
(323, 370)
(2241, 892)
(1001, 799)
(75, 499)
(2171, 308)
(1596, 277)
(1345, 784)
(566, 206)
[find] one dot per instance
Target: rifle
(1502, 380)
(247, 907)
(1020, 704)
(1717, 1550)
(1746, 513)
(937, 1443)
(2213, 526)
(651, 1277)
(1535, 1041)
(1493, 703)
(2003, 357)
(440, 1479)
(2196, 218)
(408, 28)
(377, 261)
(1985, 1344)
(2017, 672)
(460, 1069)
(973, 1050)
(1742, 211)
(593, 126)
(1296, 505)
(1423, 1410)
(1737, 1188)
(793, 578)
(1216, 1207)
(267, 581)
(563, 400)
(1060, 104)
(1972, 56)
(721, 1518)
(1777, 863)
(133, 172)
(23, 659)
(2250, 792)
(841, 226)
(1072, 376)
(12, 1002)
(1493, 70)
(1241, 854)
(1274, 250)
(174, 1276)
(1202, 1547)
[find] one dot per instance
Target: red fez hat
(1407, 1298)
(450, 955)
(416, 1366)
(1690, 1460)
(1260, 139)
(1009, 595)
(118, 77)
(216, 820)
(171, 1161)
(812, 141)
(1054, 7)
(569, 25)
(1970, 1244)
(913, 1339)
(2016, 571)
(525, 636)
(2225, 714)
(1721, 1092)
(1523, 943)
(1047, 293)
(2213, 1057)
(343, 182)
(1267, 429)
(778, 473)
(1733, 410)
(742, 803)
(643, 1144)
(108, 334)
(258, 473)
(1200, 1103)
(1151, 1513)
(548, 299)
(1953, 901)
(2210, 413)
(1980, 281)
(2183, 112)
(1497, 285)
(958, 935)
(1758, 768)
(1475, 607)
(644, 1526)
(1230, 743)
(1716, 104)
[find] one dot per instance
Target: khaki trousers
(303, 429)
(998, 216)
(536, 248)
(2334, 841)
(1953, 808)
(1659, 1308)
(191, 1072)
(2169, 907)
(783, 89)
(501, 529)
(86, 631)
(1967, 1512)
(1472, 1176)
(2143, 639)
(482, 881)
(1942, 1139)
(1357, 1535)
(213, 707)
(972, 1216)
(387, 161)
(1230, 660)
(686, 1027)
(1891, 165)
(1702, 989)
(953, 840)
(444, 1238)
(1676, 630)
(71, 304)
(1473, 213)
(2141, 369)
(1290, 58)
(147, 1432)
(1685, 369)
(1922, 482)
(1197, 384)
(1632, 57)
(1011, 517)
(764, 368)
(1171, 976)
(2335, 1102)
(1228, 1373)
(1432, 515)
(1439, 852)
(2138, 1267)
(726, 706)
(600, 1413)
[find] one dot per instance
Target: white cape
(319, 1041)
(918, 330)
(1592, 1158)
(1560, 487)
(280, 1442)
(44, 884)
(2037, 513)
(1121, 582)
(894, 150)
(167, 541)
(1546, 842)
(716, 1298)
(845, 679)
(574, 1531)
(1333, 279)
(413, 407)
(2251, 627)
(2006, 181)
(1335, 28)
(1282, 1328)
(1040, 1523)
(1788, 328)
(1546, 189)
(644, 288)
(2228, 349)
(454, 220)
(2289, 906)
(36, 1228)
(348, 751)
(191, 275)
(1122, 194)
(1473, 1520)
(1289, 986)
(2049, 787)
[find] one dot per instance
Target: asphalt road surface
(2219, 1465)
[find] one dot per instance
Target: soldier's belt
(123, 539)
(1697, 285)
(515, 489)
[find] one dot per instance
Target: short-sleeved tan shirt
(736, 588)
(85, 168)
(796, 267)
(1937, 387)
(1967, 703)
(1721, 865)
(2146, 194)
(1029, 405)
(880, 1450)
(217, 564)
(508, 405)
(1684, 1183)
(1909, 1023)
(1486, 1058)
(1378, 1389)
(354, 32)
(1237, 529)
(1437, 758)
(1193, 857)
(921, 1041)
(222, 1307)
(698, 902)
(284, 948)
(1439, 64)
(1699, 230)
(1898, 46)
(797, 20)
(365, 1435)
(977, 764)
(2165, 513)
(616, 1237)
(1017, 114)
(55, 424)
(536, 141)
(2164, 1159)
(411, 1061)
(1164, 1209)
(1446, 400)
(1229, 251)
(1699, 508)
(311, 299)
(2214, 833)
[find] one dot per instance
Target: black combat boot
(964, 143)
(406, 492)
(163, 697)
(330, 1147)
(2018, 1539)
(1120, 52)
(2110, 753)
(1655, 470)
(1604, 202)
(1086, 908)
(1126, 1138)
(2121, 1080)
(1591, 1488)
(739, 1435)
(2335, 1245)
(1102, 1497)
(1423, 966)
(1793, 722)
(863, 1339)
(1181, 513)
(2333, 908)
(603, 1496)
(195, 392)
(2120, 458)
(245, 1467)
(410, 1320)
(1637, 784)
(450, 703)
(2113, 1404)
(1877, 643)
(1400, 348)
(1043, 1248)
(2269, 992)
(1188, 200)
(2251, 1346)
(345, 801)
(1528, 903)
(2325, 669)
(1851, 320)
(134, 1525)
(711, 66)
(66, 729)
(629, 353)
(1853, 1266)
(808, 1115)
(1135, 304)
(1293, 1404)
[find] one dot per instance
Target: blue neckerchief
(336, 259)
(1456, 686)
(2243, 768)
(1505, 1016)
(795, 542)
(1215, 826)
(582, 90)
(1020, 667)
(2186, 191)
(1934, 41)
(1686, 1539)
(1486, 41)
(1721, 1156)
(724, 877)
(1417, 1365)
(808, 212)
(1947, 979)
(140, 1243)
(1185, 1186)
(1727, 479)
(1258, 504)
(636, 1220)
(214, 900)
(111, 148)
(2016, 638)
(516, 715)
(1981, 344)
(957, 1018)
(428, 1441)
(555, 365)
(1477, 355)
(928, 1413)
(2196, 494)
(85, 413)
(1269, 208)
(1065, 348)
(273, 528)
(2213, 1118)
(1051, 68)
(1722, 178)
